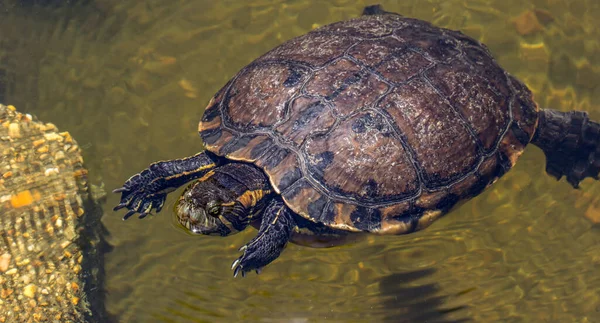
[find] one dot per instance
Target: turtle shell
(380, 123)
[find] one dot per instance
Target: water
(129, 80)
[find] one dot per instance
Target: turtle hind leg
(148, 189)
(276, 227)
(571, 143)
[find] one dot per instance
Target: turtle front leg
(148, 189)
(275, 231)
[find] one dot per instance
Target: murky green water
(129, 79)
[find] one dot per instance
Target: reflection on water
(129, 79)
(403, 302)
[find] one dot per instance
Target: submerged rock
(50, 227)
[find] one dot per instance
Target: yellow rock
(593, 211)
(535, 52)
(30, 290)
(187, 85)
(14, 131)
(4, 262)
(532, 21)
(21, 199)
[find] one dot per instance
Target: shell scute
(300, 196)
(372, 52)
(307, 116)
(430, 40)
(403, 66)
(361, 158)
(258, 96)
(443, 146)
(479, 102)
(346, 85)
(314, 49)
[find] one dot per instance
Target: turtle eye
(213, 208)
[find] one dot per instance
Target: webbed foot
(250, 260)
(147, 190)
(139, 201)
(275, 231)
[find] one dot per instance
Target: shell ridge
(411, 153)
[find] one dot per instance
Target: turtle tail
(571, 143)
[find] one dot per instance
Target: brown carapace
(380, 123)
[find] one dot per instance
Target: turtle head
(211, 207)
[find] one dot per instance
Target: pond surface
(130, 79)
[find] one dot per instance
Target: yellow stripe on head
(228, 224)
(201, 168)
(250, 198)
(206, 176)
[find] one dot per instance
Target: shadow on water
(3, 83)
(403, 301)
(94, 245)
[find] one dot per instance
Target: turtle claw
(128, 214)
(160, 205)
(140, 201)
(236, 271)
(241, 265)
(234, 265)
(142, 193)
(120, 189)
(119, 206)
(237, 268)
(240, 269)
(251, 260)
(273, 235)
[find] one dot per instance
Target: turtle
(378, 124)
